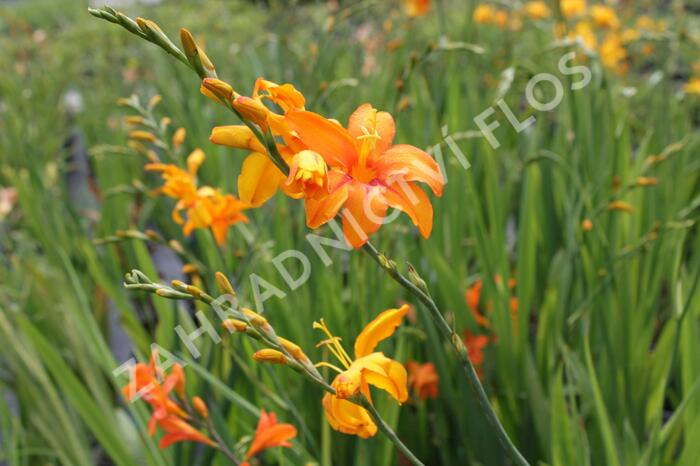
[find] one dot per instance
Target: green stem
(456, 342)
(384, 427)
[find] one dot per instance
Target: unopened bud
(140, 135)
(224, 284)
(200, 407)
(190, 269)
(293, 349)
(587, 225)
(620, 206)
(256, 320)
(196, 56)
(271, 356)
(251, 109)
(179, 138)
(235, 325)
(645, 181)
(417, 280)
(222, 90)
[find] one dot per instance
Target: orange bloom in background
(205, 207)
(216, 211)
(180, 184)
(423, 379)
(537, 10)
(368, 368)
(414, 8)
(613, 53)
(475, 347)
(604, 17)
(473, 299)
(153, 386)
(368, 173)
(484, 14)
(269, 434)
(572, 8)
(692, 87)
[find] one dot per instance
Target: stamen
(333, 344)
(330, 366)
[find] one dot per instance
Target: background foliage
(601, 365)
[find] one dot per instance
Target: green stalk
(450, 335)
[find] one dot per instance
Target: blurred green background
(601, 364)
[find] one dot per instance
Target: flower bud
(293, 349)
(140, 135)
(224, 284)
(644, 181)
(256, 320)
(235, 325)
(179, 138)
(251, 109)
(200, 407)
(271, 356)
(620, 206)
(222, 90)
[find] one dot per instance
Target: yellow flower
(572, 8)
(613, 53)
(484, 14)
(537, 10)
(368, 368)
(501, 18)
(630, 35)
(692, 87)
(604, 17)
(584, 31)
(180, 184)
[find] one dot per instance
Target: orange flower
(368, 368)
(416, 8)
(368, 174)
(308, 174)
(604, 17)
(423, 379)
(180, 184)
(537, 10)
(473, 296)
(167, 413)
(269, 434)
(571, 8)
(260, 178)
(475, 347)
(178, 430)
(216, 211)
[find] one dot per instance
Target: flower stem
(456, 342)
(384, 427)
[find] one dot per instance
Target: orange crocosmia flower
(416, 8)
(537, 10)
(475, 348)
(484, 14)
(179, 184)
(269, 434)
(260, 178)
(178, 430)
(368, 368)
(167, 414)
(571, 8)
(604, 17)
(216, 211)
(473, 298)
(423, 379)
(368, 174)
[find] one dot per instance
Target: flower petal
(381, 328)
(366, 119)
(364, 212)
(348, 418)
(259, 179)
(409, 163)
(392, 378)
(412, 200)
(323, 208)
(327, 138)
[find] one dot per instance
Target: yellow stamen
(333, 344)
(330, 366)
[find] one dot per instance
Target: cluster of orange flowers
(165, 393)
(598, 27)
(356, 171)
(476, 343)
